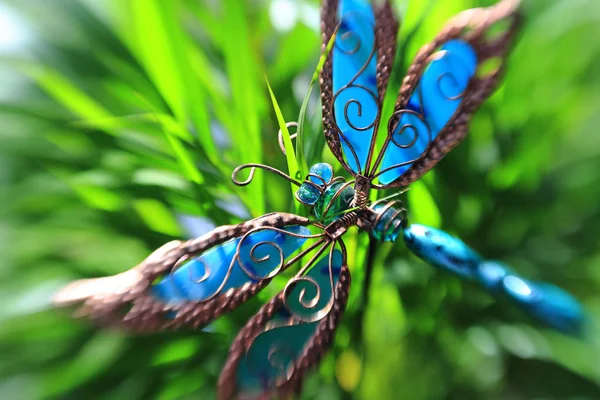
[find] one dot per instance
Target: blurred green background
(120, 124)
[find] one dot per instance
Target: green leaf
(97, 354)
(162, 47)
(248, 99)
(290, 155)
(178, 350)
(301, 162)
(423, 209)
(384, 327)
(184, 158)
(157, 216)
(99, 197)
(67, 94)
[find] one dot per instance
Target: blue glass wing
(355, 75)
(448, 80)
(355, 99)
(546, 303)
(280, 349)
(435, 100)
(193, 282)
(213, 271)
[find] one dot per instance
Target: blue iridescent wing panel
(289, 334)
(544, 302)
(230, 265)
(355, 75)
(355, 105)
(193, 282)
(448, 80)
(431, 105)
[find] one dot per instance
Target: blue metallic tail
(548, 304)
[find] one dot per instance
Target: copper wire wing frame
(125, 301)
(474, 27)
(312, 353)
(144, 313)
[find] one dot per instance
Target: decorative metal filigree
(280, 135)
(473, 27)
(398, 219)
(354, 102)
(126, 300)
(253, 167)
(279, 355)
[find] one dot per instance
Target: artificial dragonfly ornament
(190, 283)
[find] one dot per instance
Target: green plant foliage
(123, 119)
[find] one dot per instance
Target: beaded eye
(390, 220)
(319, 176)
(329, 196)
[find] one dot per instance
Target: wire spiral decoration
(308, 302)
(280, 357)
(350, 92)
(286, 365)
(398, 218)
(253, 167)
(394, 134)
(393, 124)
(454, 82)
(449, 75)
(358, 105)
(205, 275)
(180, 263)
(395, 130)
(347, 37)
(292, 137)
(260, 260)
(243, 265)
(304, 282)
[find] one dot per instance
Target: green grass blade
(290, 156)
(67, 94)
(184, 158)
(163, 48)
(157, 216)
(422, 206)
(301, 157)
(249, 101)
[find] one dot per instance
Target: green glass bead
(389, 225)
(324, 171)
(308, 194)
(340, 203)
